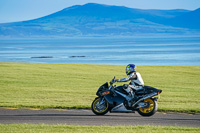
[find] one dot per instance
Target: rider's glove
(116, 80)
(113, 81)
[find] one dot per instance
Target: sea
(139, 50)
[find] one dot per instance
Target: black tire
(151, 110)
(99, 110)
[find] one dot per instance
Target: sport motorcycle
(113, 99)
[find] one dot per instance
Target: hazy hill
(186, 20)
(104, 20)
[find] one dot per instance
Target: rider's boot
(132, 100)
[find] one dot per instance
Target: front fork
(101, 102)
(101, 99)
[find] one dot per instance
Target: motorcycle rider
(136, 83)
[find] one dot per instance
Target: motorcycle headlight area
(105, 93)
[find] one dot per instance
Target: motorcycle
(113, 99)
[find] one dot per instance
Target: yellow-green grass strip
(73, 86)
(43, 128)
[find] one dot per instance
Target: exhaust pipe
(146, 97)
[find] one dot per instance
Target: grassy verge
(30, 128)
(32, 85)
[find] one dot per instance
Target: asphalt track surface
(86, 117)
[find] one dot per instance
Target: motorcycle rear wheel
(151, 110)
(100, 107)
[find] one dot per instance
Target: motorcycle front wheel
(150, 110)
(100, 106)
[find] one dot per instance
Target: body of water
(184, 51)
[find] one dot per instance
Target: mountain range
(104, 20)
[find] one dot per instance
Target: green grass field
(35, 85)
(41, 128)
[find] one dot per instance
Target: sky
(20, 10)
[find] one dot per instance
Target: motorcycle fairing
(121, 108)
(114, 99)
(102, 88)
(149, 89)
